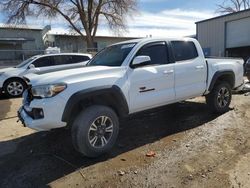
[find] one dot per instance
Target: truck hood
(73, 75)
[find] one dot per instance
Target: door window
(156, 51)
(184, 50)
(79, 59)
(69, 59)
(62, 59)
(43, 62)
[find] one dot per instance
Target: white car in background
(11, 79)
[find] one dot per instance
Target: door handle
(199, 67)
(168, 72)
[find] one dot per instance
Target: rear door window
(62, 59)
(79, 59)
(184, 50)
(69, 59)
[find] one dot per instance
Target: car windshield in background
(26, 62)
(112, 55)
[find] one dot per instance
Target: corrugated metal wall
(212, 33)
(239, 28)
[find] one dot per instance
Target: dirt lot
(193, 147)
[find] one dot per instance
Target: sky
(169, 18)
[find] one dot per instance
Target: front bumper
(52, 110)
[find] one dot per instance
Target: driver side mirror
(140, 61)
(31, 66)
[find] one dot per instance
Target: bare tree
(83, 16)
(231, 6)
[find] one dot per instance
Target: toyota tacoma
(123, 79)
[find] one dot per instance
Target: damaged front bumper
(42, 114)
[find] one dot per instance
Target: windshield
(112, 55)
(27, 61)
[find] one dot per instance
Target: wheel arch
(111, 96)
(14, 78)
(227, 76)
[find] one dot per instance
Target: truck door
(152, 84)
(190, 70)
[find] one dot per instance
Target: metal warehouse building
(20, 41)
(227, 35)
(74, 43)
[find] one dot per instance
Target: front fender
(113, 91)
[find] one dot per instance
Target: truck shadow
(44, 157)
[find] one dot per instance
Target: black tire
(82, 131)
(220, 98)
(18, 86)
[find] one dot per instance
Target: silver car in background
(11, 79)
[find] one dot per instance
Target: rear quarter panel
(235, 65)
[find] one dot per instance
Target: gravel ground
(191, 148)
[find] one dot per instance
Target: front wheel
(14, 87)
(220, 98)
(95, 130)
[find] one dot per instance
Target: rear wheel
(14, 87)
(220, 98)
(95, 130)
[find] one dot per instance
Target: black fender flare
(114, 91)
(219, 74)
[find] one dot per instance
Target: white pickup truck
(123, 79)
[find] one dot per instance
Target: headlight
(46, 91)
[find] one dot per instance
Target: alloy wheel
(100, 132)
(15, 88)
(223, 97)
